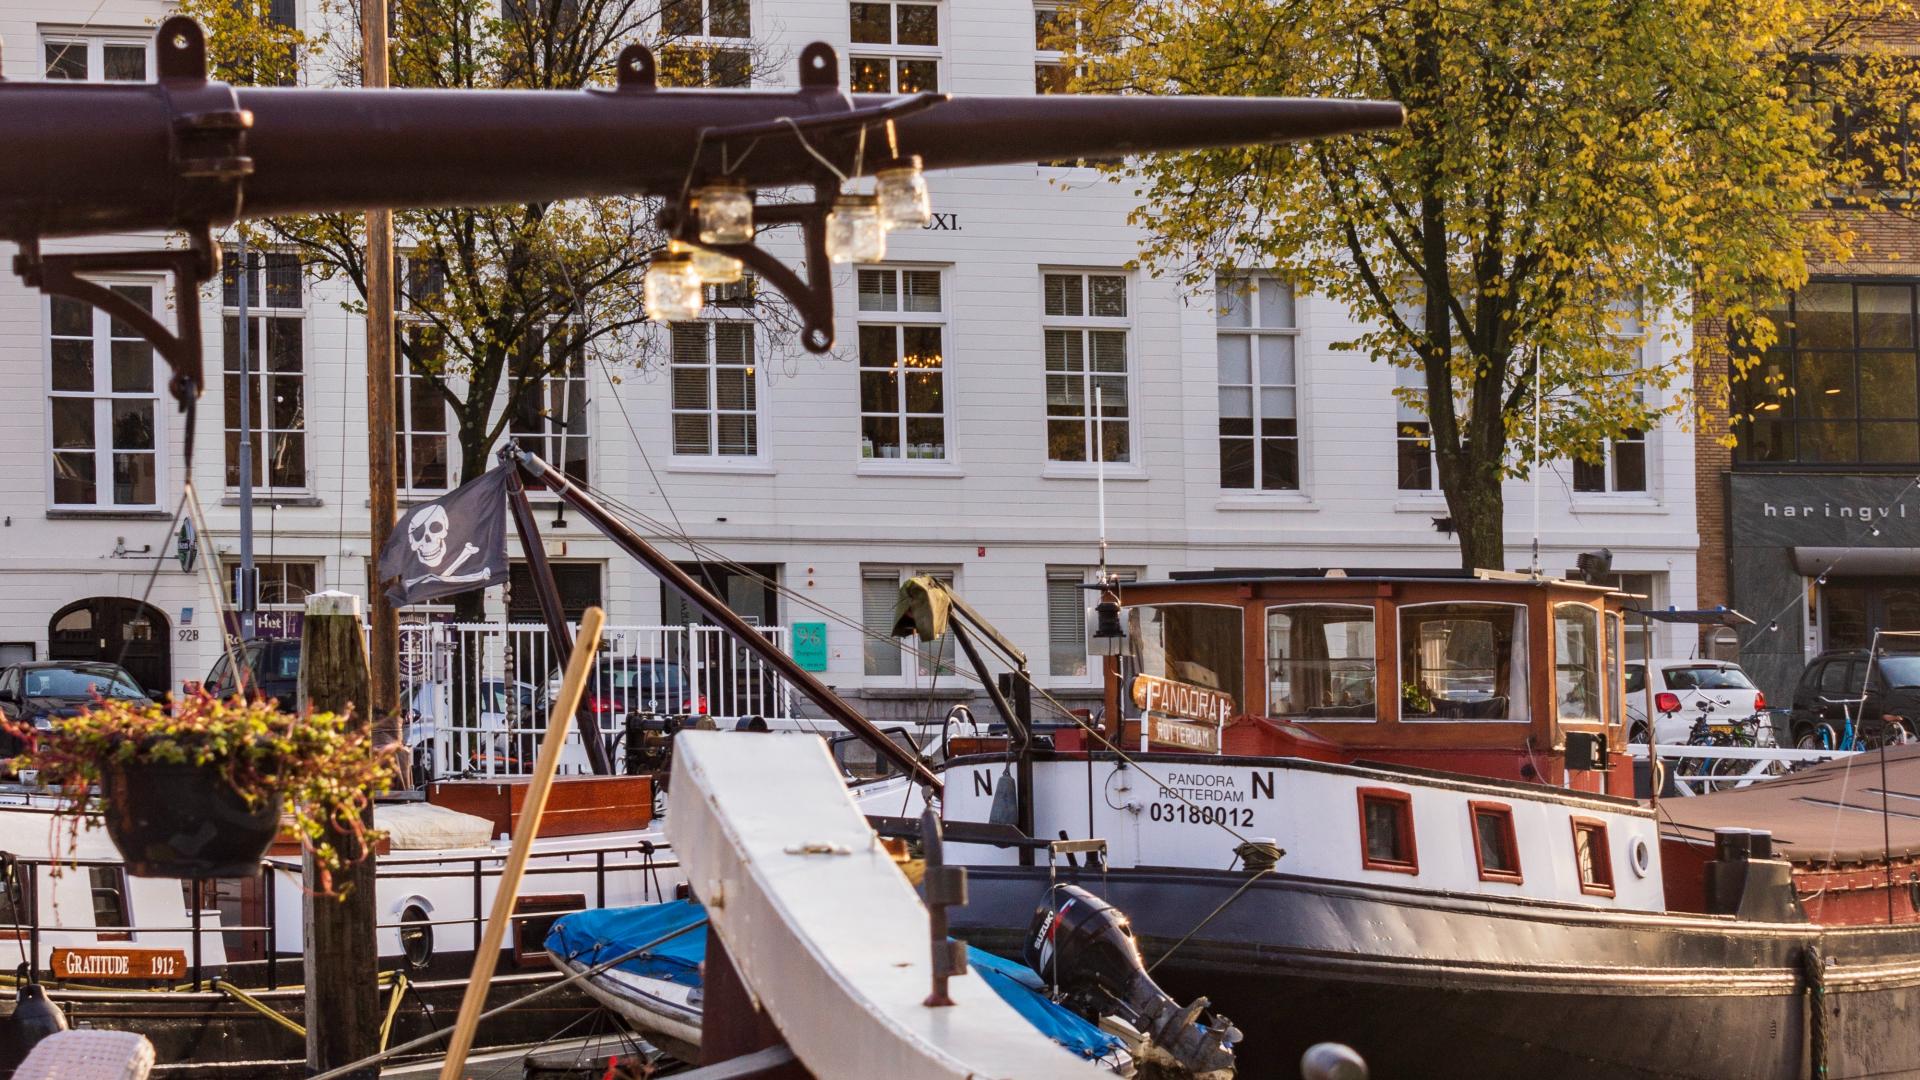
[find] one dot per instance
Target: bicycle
(1744, 733)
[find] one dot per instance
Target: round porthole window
(1641, 856)
(416, 937)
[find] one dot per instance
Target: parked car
(628, 684)
(1835, 689)
(271, 666)
(1680, 687)
(43, 691)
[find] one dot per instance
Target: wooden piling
(342, 955)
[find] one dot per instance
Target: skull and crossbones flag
(454, 543)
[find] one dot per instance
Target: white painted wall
(997, 513)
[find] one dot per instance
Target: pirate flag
(454, 543)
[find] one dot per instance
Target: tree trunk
(1478, 507)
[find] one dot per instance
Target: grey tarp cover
(1831, 807)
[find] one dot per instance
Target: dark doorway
(579, 585)
(748, 588)
(119, 631)
(1853, 608)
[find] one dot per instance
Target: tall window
(1621, 465)
(879, 591)
(102, 406)
(1413, 435)
(896, 48)
(422, 439)
(708, 43)
(715, 400)
(1840, 386)
(902, 365)
(276, 392)
(550, 416)
(1259, 400)
(1576, 663)
(1085, 324)
(1067, 602)
(97, 57)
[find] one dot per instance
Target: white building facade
(950, 432)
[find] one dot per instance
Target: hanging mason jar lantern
(672, 290)
(905, 202)
(854, 231)
(726, 214)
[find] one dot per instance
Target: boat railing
(1699, 770)
(476, 694)
(647, 858)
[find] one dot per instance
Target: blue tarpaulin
(591, 937)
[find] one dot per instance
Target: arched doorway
(105, 628)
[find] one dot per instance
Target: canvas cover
(1830, 812)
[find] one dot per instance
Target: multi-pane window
(1621, 464)
(1085, 324)
(1412, 433)
(707, 43)
(902, 365)
(276, 368)
(96, 57)
(896, 48)
(422, 439)
(1841, 385)
(715, 400)
(103, 410)
(284, 586)
(1259, 406)
(879, 591)
(1067, 603)
(549, 413)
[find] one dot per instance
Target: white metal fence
(1698, 770)
(477, 693)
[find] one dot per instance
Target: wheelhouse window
(1386, 831)
(1463, 662)
(1494, 848)
(1190, 643)
(1320, 662)
(1576, 663)
(1616, 646)
(109, 884)
(1593, 856)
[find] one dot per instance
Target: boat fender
(1006, 800)
(1332, 1061)
(34, 1018)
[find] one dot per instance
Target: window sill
(75, 513)
(1082, 470)
(907, 693)
(742, 467)
(1417, 503)
(1595, 502)
(895, 467)
(276, 500)
(1292, 501)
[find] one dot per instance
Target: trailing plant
(319, 768)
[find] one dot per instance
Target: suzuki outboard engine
(1083, 948)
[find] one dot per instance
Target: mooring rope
(1814, 967)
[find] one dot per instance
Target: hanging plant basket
(185, 821)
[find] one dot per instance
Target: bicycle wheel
(1894, 733)
(1816, 737)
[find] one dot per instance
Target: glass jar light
(726, 214)
(710, 267)
(672, 291)
(854, 231)
(904, 200)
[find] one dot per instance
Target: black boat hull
(1438, 985)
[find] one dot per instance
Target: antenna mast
(1536, 460)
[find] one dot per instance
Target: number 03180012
(1183, 814)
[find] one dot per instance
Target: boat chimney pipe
(1733, 845)
(1760, 844)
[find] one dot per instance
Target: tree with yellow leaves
(1572, 173)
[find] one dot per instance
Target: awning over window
(1857, 562)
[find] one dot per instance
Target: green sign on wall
(810, 645)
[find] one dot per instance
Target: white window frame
(915, 671)
(406, 382)
(549, 438)
(709, 43)
(259, 311)
(893, 52)
(1092, 673)
(1083, 325)
(230, 573)
(711, 411)
(103, 397)
(95, 42)
(900, 320)
(1631, 327)
(1255, 333)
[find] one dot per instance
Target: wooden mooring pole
(342, 958)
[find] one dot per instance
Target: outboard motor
(1083, 947)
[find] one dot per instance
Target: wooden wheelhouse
(1498, 675)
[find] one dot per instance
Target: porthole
(416, 937)
(1640, 857)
